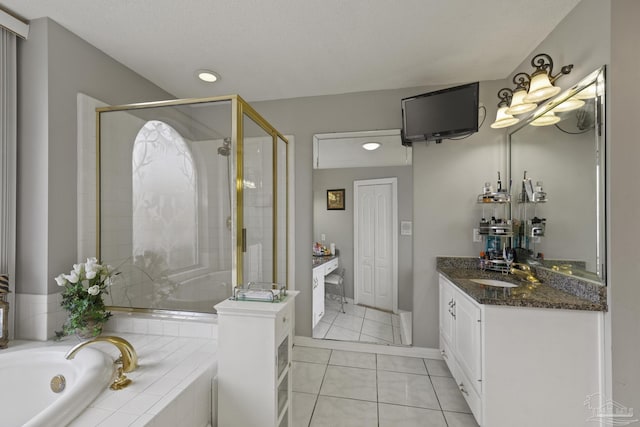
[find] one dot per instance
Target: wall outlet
(476, 235)
(322, 237)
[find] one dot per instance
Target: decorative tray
(260, 291)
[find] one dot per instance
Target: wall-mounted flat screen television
(441, 114)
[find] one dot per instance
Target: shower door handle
(244, 240)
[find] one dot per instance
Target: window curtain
(8, 148)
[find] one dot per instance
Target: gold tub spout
(524, 272)
(127, 352)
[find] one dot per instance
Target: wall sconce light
(570, 104)
(519, 105)
(504, 119)
(542, 79)
(529, 91)
(547, 119)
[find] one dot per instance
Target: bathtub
(26, 398)
(200, 293)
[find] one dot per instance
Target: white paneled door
(376, 243)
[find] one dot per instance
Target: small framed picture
(335, 200)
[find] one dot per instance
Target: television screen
(442, 114)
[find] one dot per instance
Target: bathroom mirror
(557, 170)
(339, 160)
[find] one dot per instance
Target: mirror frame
(597, 77)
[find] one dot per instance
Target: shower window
(164, 204)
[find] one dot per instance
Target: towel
(4, 283)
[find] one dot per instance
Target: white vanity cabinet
(460, 341)
(255, 341)
(521, 366)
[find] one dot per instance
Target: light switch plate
(406, 228)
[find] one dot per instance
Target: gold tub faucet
(127, 352)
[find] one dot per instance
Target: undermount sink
(496, 283)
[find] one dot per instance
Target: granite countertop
(525, 295)
(319, 260)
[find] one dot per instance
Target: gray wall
(624, 202)
(447, 178)
(55, 65)
(582, 38)
(338, 225)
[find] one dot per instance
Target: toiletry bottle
(4, 321)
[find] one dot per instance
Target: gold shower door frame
(239, 108)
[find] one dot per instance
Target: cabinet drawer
(448, 357)
(330, 266)
(470, 394)
(283, 322)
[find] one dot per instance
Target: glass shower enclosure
(192, 201)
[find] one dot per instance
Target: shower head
(225, 148)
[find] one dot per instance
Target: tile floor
(343, 388)
(357, 323)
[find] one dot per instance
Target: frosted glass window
(164, 197)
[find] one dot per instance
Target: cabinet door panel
(317, 295)
(467, 338)
(446, 309)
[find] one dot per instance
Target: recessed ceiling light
(370, 146)
(207, 76)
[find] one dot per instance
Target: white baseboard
(427, 353)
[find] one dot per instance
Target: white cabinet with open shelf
(255, 342)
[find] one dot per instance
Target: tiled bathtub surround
(177, 357)
(195, 325)
(556, 291)
(172, 385)
(38, 316)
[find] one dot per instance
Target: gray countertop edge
(545, 296)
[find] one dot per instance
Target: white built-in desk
(321, 267)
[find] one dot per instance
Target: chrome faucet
(524, 272)
(128, 355)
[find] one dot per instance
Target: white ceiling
(274, 49)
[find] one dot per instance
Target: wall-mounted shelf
(523, 198)
(494, 198)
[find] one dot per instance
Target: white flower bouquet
(82, 297)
